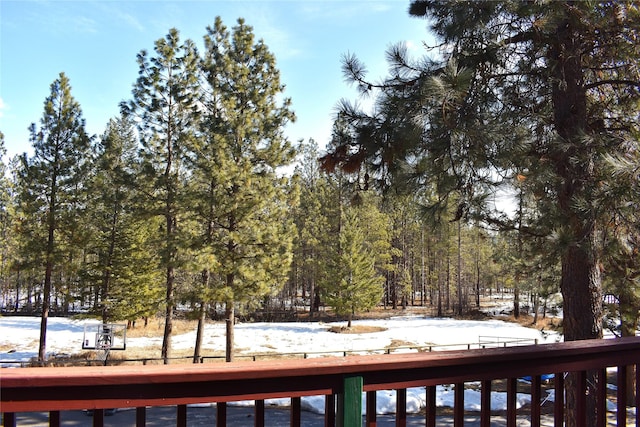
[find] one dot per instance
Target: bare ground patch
(356, 329)
(526, 320)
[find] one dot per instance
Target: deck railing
(342, 380)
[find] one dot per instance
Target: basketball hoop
(104, 337)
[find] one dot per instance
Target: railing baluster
(485, 403)
(558, 399)
(536, 398)
(512, 394)
(350, 402)
(401, 407)
(330, 410)
(458, 405)
(54, 419)
(141, 416)
(9, 419)
(621, 396)
(181, 416)
(601, 398)
(581, 403)
(259, 413)
(98, 418)
(296, 412)
(371, 409)
(431, 406)
(637, 366)
(221, 414)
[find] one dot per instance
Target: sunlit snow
(19, 338)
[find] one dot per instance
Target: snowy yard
(19, 341)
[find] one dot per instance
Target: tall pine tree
(165, 103)
(53, 176)
(238, 161)
(311, 225)
(534, 89)
(126, 269)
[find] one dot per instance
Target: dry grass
(356, 329)
(400, 343)
(155, 328)
(526, 320)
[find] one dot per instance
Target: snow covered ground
(19, 336)
(19, 341)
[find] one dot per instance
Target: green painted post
(350, 403)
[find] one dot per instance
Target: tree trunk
(440, 284)
(313, 308)
(394, 291)
(42, 349)
(16, 305)
(581, 286)
(478, 270)
(199, 332)
(168, 318)
(448, 280)
(201, 317)
(106, 279)
(230, 320)
(46, 301)
(573, 161)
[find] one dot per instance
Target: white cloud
(3, 107)
(85, 25)
(127, 19)
(267, 26)
(342, 11)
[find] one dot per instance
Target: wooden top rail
(94, 387)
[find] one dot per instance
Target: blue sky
(95, 43)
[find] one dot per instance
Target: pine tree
(312, 225)
(238, 161)
(165, 100)
(126, 269)
(534, 89)
(7, 217)
(551, 126)
(52, 177)
(621, 241)
(353, 285)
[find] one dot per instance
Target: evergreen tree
(353, 285)
(238, 158)
(8, 239)
(622, 247)
(125, 269)
(538, 89)
(374, 211)
(311, 226)
(52, 177)
(552, 125)
(5, 218)
(165, 100)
